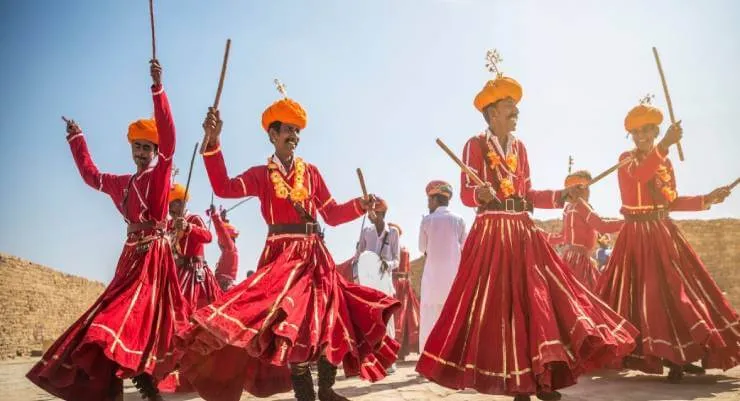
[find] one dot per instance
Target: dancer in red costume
(581, 227)
(128, 331)
(407, 319)
(197, 282)
(190, 235)
(228, 262)
(654, 278)
(296, 308)
(516, 321)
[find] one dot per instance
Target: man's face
(143, 153)
(503, 116)
(285, 139)
(432, 203)
(644, 137)
(377, 217)
(177, 207)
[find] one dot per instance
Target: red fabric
(581, 226)
(294, 308)
(129, 328)
(228, 262)
(345, 269)
(516, 320)
(638, 181)
(655, 279)
(474, 158)
(407, 318)
(199, 292)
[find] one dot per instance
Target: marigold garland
(298, 193)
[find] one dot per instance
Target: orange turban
(144, 129)
(640, 115)
(497, 89)
(578, 178)
(397, 227)
(177, 191)
(439, 187)
(286, 111)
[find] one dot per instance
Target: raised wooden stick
(220, 88)
(151, 21)
(667, 99)
(190, 172)
(362, 183)
(610, 170)
(462, 165)
(734, 184)
(239, 204)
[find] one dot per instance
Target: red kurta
(407, 319)
(129, 328)
(655, 279)
(581, 226)
(293, 309)
(516, 320)
(197, 282)
(228, 262)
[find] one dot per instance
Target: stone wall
(37, 304)
(716, 241)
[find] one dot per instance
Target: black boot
(522, 397)
(146, 386)
(693, 369)
(300, 375)
(327, 377)
(549, 396)
(675, 374)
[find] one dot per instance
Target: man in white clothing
(441, 239)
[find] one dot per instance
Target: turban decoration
(439, 187)
(642, 114)
(177, 192)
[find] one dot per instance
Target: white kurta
(441, 238)
(368, 269)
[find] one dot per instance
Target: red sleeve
(106, 183)
(333, 213)
(689, 204)
(540, 199)
(643, 170)
(161, 174)
(197, 230)
(243, 185)
(472, 158)
(224, 239)
(595, 221)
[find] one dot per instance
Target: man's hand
(155, 70)
(72, 127)
(212, 126)
(485, 194)
(717, 196)
(181, 224)
(368, 203)
(211, 211)
(672, 136)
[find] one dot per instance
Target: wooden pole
(610, 170)
(151, 22)
(220, 88)
(462, 165)
(362, 183)
(667, 99)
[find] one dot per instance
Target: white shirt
(371, 241)
(441, 238)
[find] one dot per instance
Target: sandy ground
(406, 385)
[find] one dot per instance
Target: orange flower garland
(298, 193)
(506, 186)
(664, 181)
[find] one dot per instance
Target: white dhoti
(369, 275)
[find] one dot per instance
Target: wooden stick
(462, 165)
(220, 88)
(239, 204)
(151, 21)
(667, 99)
(190, 172)
(362, 183)
(734, 184)
(610, 170)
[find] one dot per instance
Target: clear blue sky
(380, 80)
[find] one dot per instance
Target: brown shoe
(693, 369)
(522, 397)
(327, 377)
(549, 396)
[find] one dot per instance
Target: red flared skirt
(129, 329)
(293, 309)
(407, 318)
(655, 279)
(583, 266)
(516, 320)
